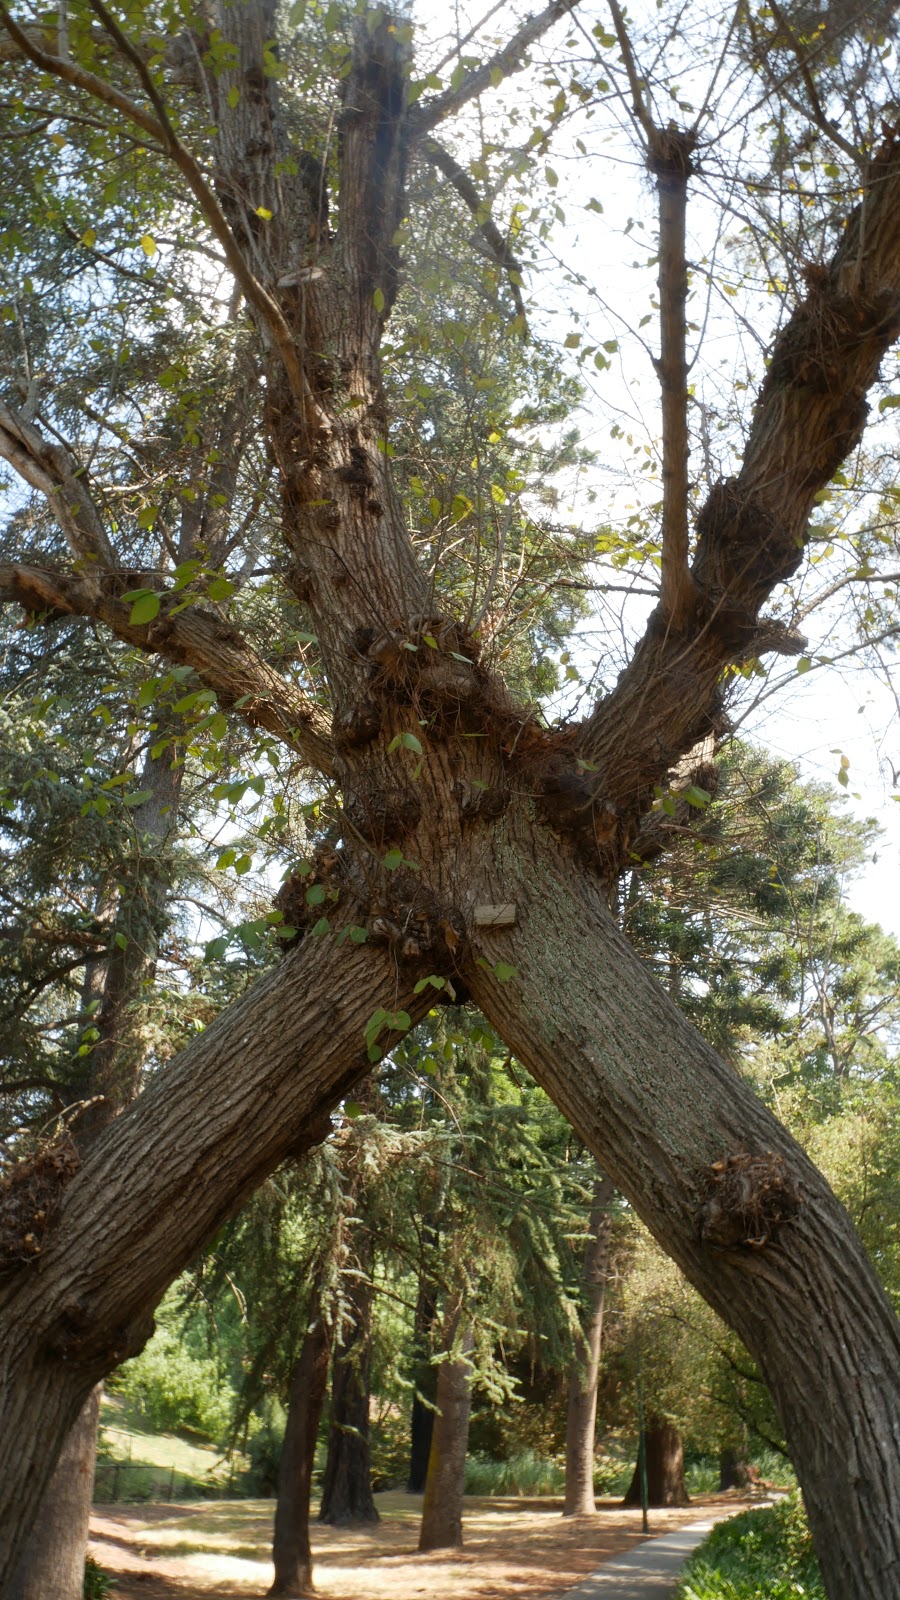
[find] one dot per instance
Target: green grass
(137, 1464)
(523, 1474)
(759, 1555)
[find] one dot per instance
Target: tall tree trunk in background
(665, 1468)
(735, 1471)
(421, 1424)
(111, 995)
(347, 1481)
(445, 1485)
(582, 1413)
(52, 1566)
(291, 1551)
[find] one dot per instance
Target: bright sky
(596, 277)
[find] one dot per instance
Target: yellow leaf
(264, 212)
(148, 244)
(89, 238)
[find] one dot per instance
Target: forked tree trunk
(291, 1549)
(488, 813)
(581, 1418)
(52, 1566)
(445, 1484)
(665, 1468)
(347, 1481)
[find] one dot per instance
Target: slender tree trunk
(291, 1550)
(582, 1413)
(665, 1468)
(347, 1481)
(444, 1487)
(52, 1566)
(421, 1424)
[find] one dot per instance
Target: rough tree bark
(665, 1468)
(582, 1412)
(347, 1480)
(441, 1527)
(421, 1423)
(291, 1550)
(535, 821)
(53, 1562)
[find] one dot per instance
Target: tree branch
(218, 653)
(510, 59)
(487, 227)
(51, 469)
(161, 129)
(810, 414)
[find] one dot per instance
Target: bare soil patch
(514, 1549)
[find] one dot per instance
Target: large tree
(470, 841)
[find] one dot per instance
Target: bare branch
(491, 72)
(195, 637)
(50, 468)
(815, 105)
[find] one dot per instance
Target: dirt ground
(514, 1549)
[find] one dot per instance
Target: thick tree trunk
(665, 1468)
(52, 1565)
(445, 1485)
(347, 1481)
(582, 1413)
(291, 1550)
(660, 1110)
(735, 1471)
(254, 1087)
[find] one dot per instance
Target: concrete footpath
(649, 1571)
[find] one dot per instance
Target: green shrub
(759, 1555)
(524, 1474)
(175, 1390)
(97, 1583)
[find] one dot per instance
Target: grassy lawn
(137, 1464)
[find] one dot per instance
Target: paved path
(649, 1571)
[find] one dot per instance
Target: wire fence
(129, 1482)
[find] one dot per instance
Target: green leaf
(359, 935)
(803, 665)
(233, 97)
(696, 796)
(432, 979)
(121, 941)
(503, 972)
(145, 605)
(393, 860)
(137, 797)
(315, 895)
(220, 589)
(378, 300)
(320, 927)
(353, 1108)
(889, 403)
(216, 948)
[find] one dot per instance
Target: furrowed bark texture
(253, 1089)
(658, 1108)
(581, 1417)
(347, 1480)
(291, 1550)
(445, 1484)
(52, 1566)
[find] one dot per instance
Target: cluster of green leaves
(759, 1555)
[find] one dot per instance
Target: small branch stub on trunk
(502, 916)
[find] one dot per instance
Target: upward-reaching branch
(69, 72)
(491, 72)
